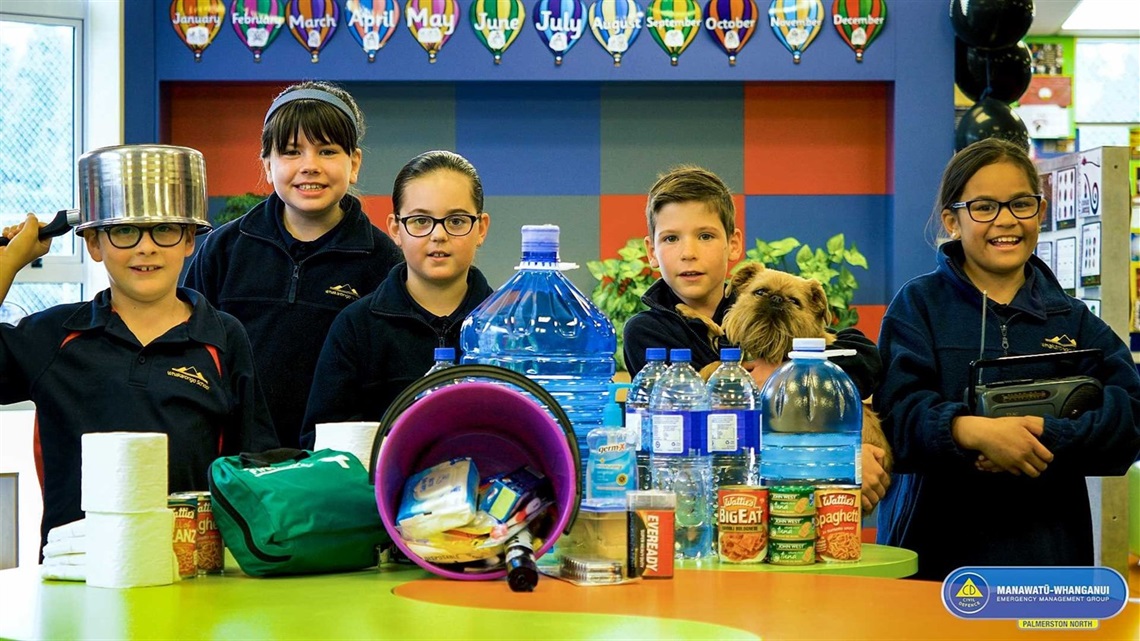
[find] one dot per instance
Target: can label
(792, 528)
(791, 552)
(791, 500)
(208, 543)
(185, 507)
(742, 524)
(839, 519)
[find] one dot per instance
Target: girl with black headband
(289, 265)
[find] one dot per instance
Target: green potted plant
(235, 207)
(829, 266)
(622, 282)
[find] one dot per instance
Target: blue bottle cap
(540, 239)
(655, 353)
(680, 355)
(730, 354)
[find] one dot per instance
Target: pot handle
(60, 225)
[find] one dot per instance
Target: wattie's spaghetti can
(208, 544)
(839, 513)
(185, 507)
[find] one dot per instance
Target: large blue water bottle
(637, 410)
(811, 420)
(680, 462)
(540, 325)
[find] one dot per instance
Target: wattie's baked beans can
(742, 524)
(791, 500)
(185, 507)
(839, 514)
(208, 544)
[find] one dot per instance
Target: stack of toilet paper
(351, 436)
(129, 528)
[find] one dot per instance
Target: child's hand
(24, 246)
(1010, 444)
(876, 480)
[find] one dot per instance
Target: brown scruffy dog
(773, 307)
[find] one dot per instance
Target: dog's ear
(745, 273)
(817, 300)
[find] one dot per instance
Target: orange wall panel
(815, 138)
(623, 217)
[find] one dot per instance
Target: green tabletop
(878, 560)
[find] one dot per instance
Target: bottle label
(676, 433)
(733, 430)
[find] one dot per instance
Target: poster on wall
(1090, 255)
(1067, 264)
(1047, 192)
(1094, 306)
(1134, 292)
(1089, 202)
(1045, 253)
(1065, 199)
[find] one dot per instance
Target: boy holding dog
(692, 238)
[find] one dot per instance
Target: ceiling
(1049, 16)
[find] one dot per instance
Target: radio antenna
(982, 347)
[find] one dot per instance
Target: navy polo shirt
(86, 372)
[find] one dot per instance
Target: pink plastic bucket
(499, 428)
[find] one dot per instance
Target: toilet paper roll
(130, 550)
(353, 436)
(123, 472)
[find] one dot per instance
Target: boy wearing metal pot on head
(288, 266)
(144, 354)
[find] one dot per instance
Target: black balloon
(990, 119)
(969, 85)
(1010, 71)
(991, 24)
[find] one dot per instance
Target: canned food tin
(185, 507)
(791, 500)
(791, 552)
(839, 517)
(742, 524)
(208, 544)
(792, 528)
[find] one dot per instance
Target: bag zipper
(245, 531)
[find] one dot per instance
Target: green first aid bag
(290, 511)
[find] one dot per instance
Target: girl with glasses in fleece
(382, 343)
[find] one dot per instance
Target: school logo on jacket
(344, 291)
(189, 374)
(1060, 343)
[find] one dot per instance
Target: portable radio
(1066, 397)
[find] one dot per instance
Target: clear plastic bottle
(444, 358)
(540, 325)
(811, 420)
(637, 410)
(733, 425)
(680, 462)
(611, 470)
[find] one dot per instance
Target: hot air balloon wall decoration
(796, 23)
(673, 24)
(859, 22)
(731, 24)
(197, 22)
(372, 22)
(616, 25)
(560, 24)
(257, 23)
(432, 23)
(497, 23)
(313, 23)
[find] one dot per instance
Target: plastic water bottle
(540, 325)
(811, 420)
(637, 410)
(680, 462)
(444, 358)
(733, 423)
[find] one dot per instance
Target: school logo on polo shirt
(1060, 343)
(344, 291)
(189, 374)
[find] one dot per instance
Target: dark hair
(320, 121)
(436, 160)
(968, 162)
(689, 183)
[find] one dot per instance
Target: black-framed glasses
(984, 210)
(420, 225)
(163, 234)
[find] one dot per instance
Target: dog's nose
(776, 299)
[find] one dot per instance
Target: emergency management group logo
(967, 594)
(1037, 597)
